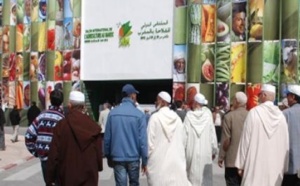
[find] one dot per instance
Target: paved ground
(17, 167)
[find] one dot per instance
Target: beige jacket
(233, 124)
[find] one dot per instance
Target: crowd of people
(172, 146)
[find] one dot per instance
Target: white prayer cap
(165, 96)
(294, 89)
(199, 98)
(179, 55)
(76, 96)
(268, 88)
(241, 98)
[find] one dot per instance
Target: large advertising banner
(130, 39)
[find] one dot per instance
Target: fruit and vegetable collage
(40, 51)
(236, 45)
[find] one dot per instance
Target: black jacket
(2, 119)
(14, 117)
(32, 113)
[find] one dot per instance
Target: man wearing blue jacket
(125, 139)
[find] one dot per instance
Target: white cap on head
(268, 88)
(241, 98)
(199, 98)
(165, 96)
(294, 89)
(179, 55)
(76, 96)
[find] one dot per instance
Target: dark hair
(238, 7)
(33, 103)
(124, 95)
(297, 98)
(56, 97)
(173, 106)
(178, 103)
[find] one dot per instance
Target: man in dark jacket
(32, 113)
(2, 133)
(15, 119)
(75, 155)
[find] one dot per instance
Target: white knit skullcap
(76, 96)
(268, 88)
(179, 55)
(200, 98)
(241, 98)
(294, 89)
(165, 96)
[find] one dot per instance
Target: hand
(144, 170)
(240, 172)
(220, 163)
(110, 162)
(213, 156)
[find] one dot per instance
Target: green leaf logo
(124, 34)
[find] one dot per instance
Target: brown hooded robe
(75, 155)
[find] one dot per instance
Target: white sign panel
(124, 40)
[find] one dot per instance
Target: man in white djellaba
(263, 151)
(166, 161)
(293, 119)
(200, 143)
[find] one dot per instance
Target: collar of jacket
(128, 100)
(52, 107)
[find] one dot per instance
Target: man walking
(125, 139)
(181, 113)
(167, 163)
(2, 132)
(103, 117)
(233, 124)
(15, 119)
(201, 143)
(293, 119)
(32, 113)
(39, 134)
(264, 146)
(75, 155)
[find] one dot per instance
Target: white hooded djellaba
(166, 163)
(264, 147)
(201, 144)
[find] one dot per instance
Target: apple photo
(207, 62)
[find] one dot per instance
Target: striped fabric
(39, 134)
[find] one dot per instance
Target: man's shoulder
(126, 110)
